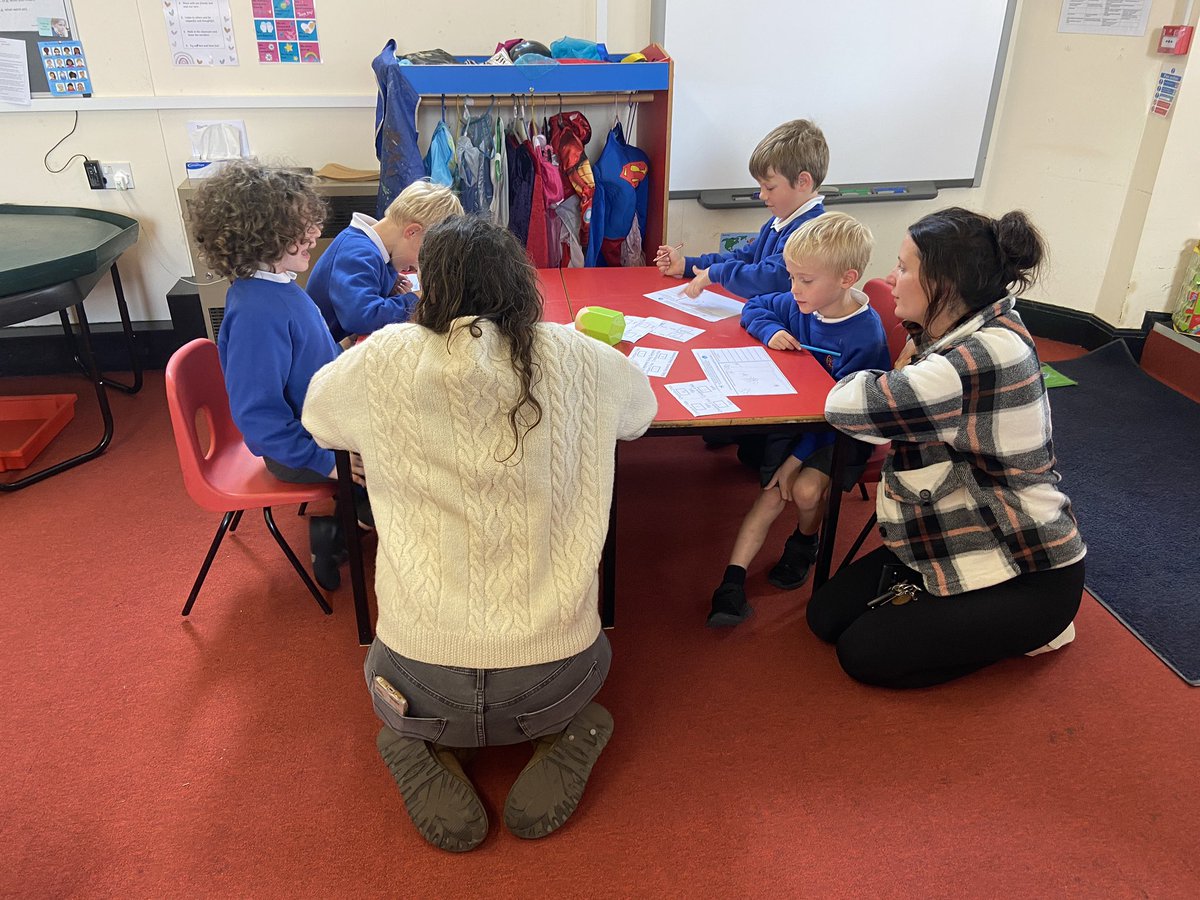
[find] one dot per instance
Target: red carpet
(233, 754)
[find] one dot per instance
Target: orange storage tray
(28, 424)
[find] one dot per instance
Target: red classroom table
(623, 289)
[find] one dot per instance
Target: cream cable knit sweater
(483, 564)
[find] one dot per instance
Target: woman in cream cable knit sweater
(488, 440)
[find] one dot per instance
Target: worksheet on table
(652, 361)
(743, 371)
(637, 327)
(701, 398)
(709, 306)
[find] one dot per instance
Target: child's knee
(809, 493)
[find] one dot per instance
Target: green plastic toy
(603, 324)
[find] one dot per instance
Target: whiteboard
(903, 89)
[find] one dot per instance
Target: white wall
(1111, 186)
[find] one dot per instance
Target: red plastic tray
(28, 424)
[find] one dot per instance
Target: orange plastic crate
(28, 424)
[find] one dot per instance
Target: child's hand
(697, 284)
(356, 469)
(669, 261)
(784, 478)
(783, 340)
(402, 286)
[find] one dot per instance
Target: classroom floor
(232, 753)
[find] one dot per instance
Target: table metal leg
(88, 361)
(608, 559)
(841, 449)
(349, 519)
(135, 362)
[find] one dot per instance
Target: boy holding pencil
(789, 165)
(826, 315)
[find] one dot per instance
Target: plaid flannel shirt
(968, 496)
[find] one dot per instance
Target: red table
(623, 289)
(565, 292)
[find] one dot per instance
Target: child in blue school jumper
(789, 165)
(356, 282)
(257, 227)
(824, 259)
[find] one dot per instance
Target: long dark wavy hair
(970, 258)
(473, 269)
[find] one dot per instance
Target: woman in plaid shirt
(969, 510)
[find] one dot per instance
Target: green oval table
(50, 259)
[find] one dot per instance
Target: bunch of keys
(897, 595)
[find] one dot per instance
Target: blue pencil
(812, 349)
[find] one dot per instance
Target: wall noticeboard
(47, 29)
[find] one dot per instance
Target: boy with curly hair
(256, 226)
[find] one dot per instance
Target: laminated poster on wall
(200, 32)
(286, 31)
(53, 54)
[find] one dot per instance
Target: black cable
(46, 158)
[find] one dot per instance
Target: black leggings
(936, 639)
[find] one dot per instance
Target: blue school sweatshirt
(272, 341)
(757, 268)
(351, 284)
(858, 337)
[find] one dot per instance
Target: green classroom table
(51, 257)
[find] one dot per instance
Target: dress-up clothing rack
(648, 84)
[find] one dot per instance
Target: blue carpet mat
(1129, 452)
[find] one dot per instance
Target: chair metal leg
(302, 510)
(287, 551)
(237, 518)
(858, 541)
(862, 489)
(212, 552)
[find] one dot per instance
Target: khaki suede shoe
(550, 787)
(440, 799)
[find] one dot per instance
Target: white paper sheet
(200, 32)
(637, 327)
(654, 362)
(14, 72)
(743, 371)
(701, 398)
(709, 306)
(1113, 17)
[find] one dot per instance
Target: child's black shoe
(328, 547)
(799, 553)
(729, 606)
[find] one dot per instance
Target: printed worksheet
(709, 306)
(637, 327)
(743, 371)
(655, 363)
(702, 398)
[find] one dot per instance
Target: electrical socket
(91, 168)
(117, 176)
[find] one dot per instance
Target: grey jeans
(462, 707)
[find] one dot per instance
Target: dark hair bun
(1021, 247)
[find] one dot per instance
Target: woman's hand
(356, 470)
(906, 355)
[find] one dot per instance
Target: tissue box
(199, 169)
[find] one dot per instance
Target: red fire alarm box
(1175, 39)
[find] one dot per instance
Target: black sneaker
(792, 569)
(729, 606)
(328, 547)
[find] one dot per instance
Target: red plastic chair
(221, 474)
(879, 292)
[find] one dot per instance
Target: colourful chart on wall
(286, 31)
(57, 67)
(65, 68)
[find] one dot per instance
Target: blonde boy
(356, 282)
(824, 259)
(789, 165)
